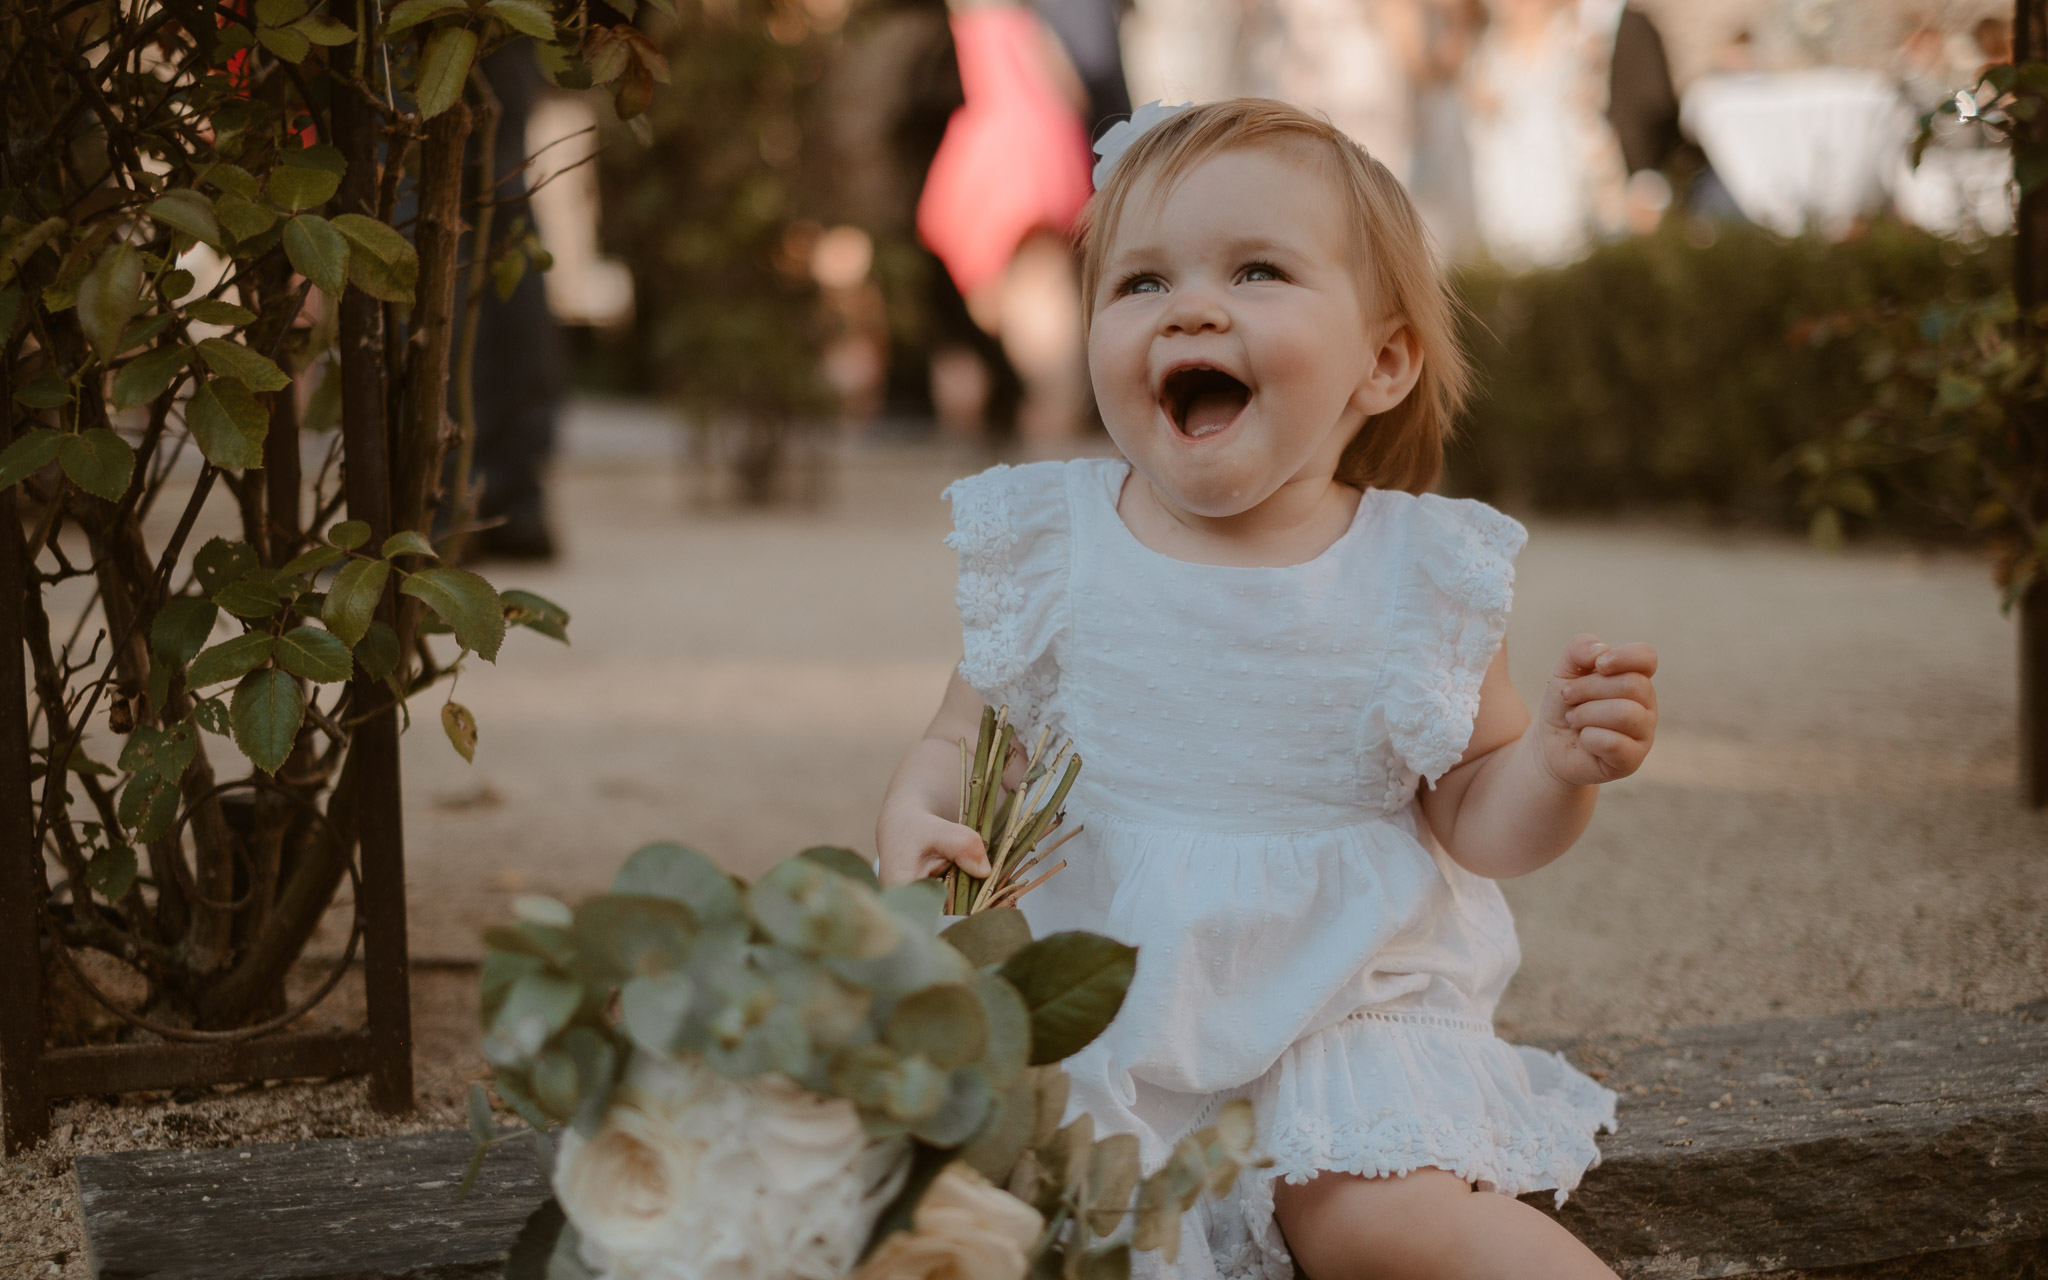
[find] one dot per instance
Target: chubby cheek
(1118, 369)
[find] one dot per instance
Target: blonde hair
(1402, 448)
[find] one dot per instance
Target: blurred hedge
(1660, 372)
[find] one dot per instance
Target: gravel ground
(1829, 820)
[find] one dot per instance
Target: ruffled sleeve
(1012, 527)
(1460, 579)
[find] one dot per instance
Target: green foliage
(1660, 373)
(706, 210)
(815, 974)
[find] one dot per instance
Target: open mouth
(1201, 400)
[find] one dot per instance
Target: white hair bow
(1118, 138)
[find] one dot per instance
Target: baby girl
(1281, 657)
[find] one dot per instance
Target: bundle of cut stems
(1011, 823)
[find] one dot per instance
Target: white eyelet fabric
(1253, 739)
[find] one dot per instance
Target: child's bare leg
(1429, 1225)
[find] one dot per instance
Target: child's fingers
(1579, 656)
(1633, 685)
(957, 846)
(1619, 715)
(1618, 753)
(1638, 657)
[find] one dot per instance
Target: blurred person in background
(521, 368)
(1343, 60)
(1438, 38)
(1959, 185)
(1546, 169)
(1009, 178)
(1090, 35)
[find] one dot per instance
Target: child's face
(1230, 349)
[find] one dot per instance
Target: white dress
(1253, 739)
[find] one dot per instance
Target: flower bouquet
(799, 1080)
(1011, 823)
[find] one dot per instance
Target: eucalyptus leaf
(1112, 1177)
(845, 862)
(800, 904)
(620, 936)
(266, 712)
(989, 937)
(682, 874)
(945, 1024)
(968, 1100)
(535, 1008)
(481, 1127)
(653, 1009)
(1009, 1027)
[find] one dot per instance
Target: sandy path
(1828, 821)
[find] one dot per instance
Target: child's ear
(1397, 364)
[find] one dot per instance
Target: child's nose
(1196, 309)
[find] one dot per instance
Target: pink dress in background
(1014, 159)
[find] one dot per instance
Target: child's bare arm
(1525, 788)
(916, 835)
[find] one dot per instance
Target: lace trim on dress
(994, 606)
(1457, 616)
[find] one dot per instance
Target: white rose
(696, 1177)
(964, 1229)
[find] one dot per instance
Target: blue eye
(1262, 271)
(1142, 284)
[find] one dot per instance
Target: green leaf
(212, 715)
(325, 158)
(465, 602)
(211, 310)
(945, 1024)
(989, 937)
(382, 263)
(844, 861)
(460, 726)
(682, 874)
(323, 407)
(523, 16)
(802, 905)
(252, 368)
(44, 391)
(278, 13)
(148, 806)
(112, 872)
(377, 651)
(653, 1009)
(619, 937)
(29, 454)
(220, 562)
(318, 252)
(233, 179)
(99, 462)
(312, 561)
(481, 1127)
(149, 375)
(231, 659)
(1073, 983)
(296, 187)
(184, 209)
(444, 66)
(411, 542)
(410, 13)
(1009, 1027)
(525, 609)
(352, 598)
(537, 1006)
(324, 31)
(227, 424)
(109, 297)
(181, 629)
(318, 655)
(242, 217)
(143, 332)
(267, 710)
(256, 594)
(349, 534)
(376, 239)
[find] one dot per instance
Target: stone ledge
(1903, 1145)
(1815, 1144)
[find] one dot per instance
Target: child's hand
(1599, 712)
(916, 845)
